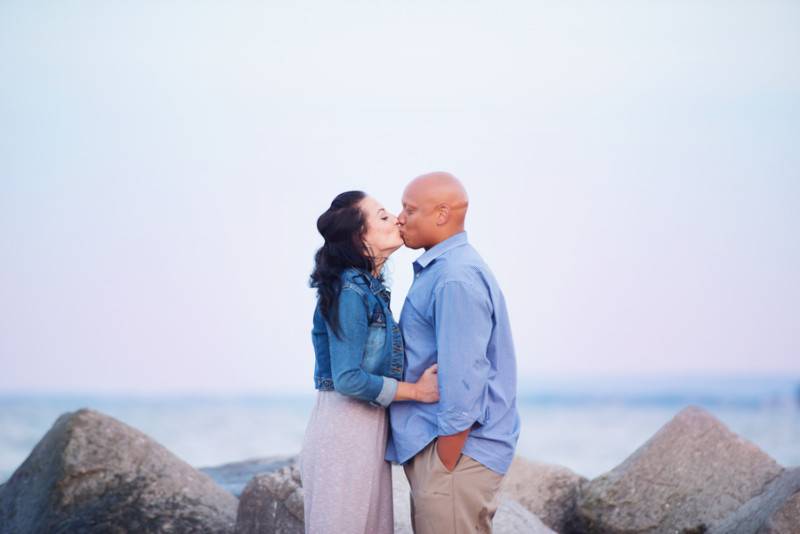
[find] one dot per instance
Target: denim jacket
(366, 362)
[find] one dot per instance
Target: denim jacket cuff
(388, 392)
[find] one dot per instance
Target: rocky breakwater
(92, 473)
(693, 476)
(547, 491)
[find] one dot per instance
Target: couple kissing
(434, 392)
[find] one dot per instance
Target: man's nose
(401, 219)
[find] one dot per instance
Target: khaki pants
(445, 502)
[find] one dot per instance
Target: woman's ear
(368, 247)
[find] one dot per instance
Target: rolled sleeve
(463, 323)
(388, 392)
(347, 351)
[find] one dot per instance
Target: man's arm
(463, 322)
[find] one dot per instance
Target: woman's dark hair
(343, 227)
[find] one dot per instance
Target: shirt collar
(439, 249)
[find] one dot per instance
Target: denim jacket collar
(364, 278)
(439, 249)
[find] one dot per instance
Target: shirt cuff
(388, 392)
(454, 421)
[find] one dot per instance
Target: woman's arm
(426, 389)
(347, 350)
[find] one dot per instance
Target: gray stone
(755, 513)
(234, 476)
(546, 490)
(92, 473)
(401, 494)
(691, 474)
(272, 503)
(513, 518)
(786, 520)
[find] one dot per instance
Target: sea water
(587, 425)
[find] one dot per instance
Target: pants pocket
(436, 460)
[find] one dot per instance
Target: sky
(633, 171)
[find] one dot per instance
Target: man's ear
(442, 214)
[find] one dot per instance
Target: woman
(347, 483)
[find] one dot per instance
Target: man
(455, 452)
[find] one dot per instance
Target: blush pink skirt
(347, 484)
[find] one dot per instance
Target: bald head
(440, 187)
(434, 208)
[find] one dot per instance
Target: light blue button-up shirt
(455, 314)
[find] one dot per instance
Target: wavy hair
(343, 226)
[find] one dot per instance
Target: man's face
(416, 221)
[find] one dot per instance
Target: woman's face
(383, 235)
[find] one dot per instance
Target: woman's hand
(427, 387)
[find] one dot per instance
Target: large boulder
(92, 473)
(272, 503)
(546, 490)
(786, 520)
(753, 515)
(691, 474)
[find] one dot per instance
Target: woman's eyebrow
(380, 210)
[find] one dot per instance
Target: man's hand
(449, 448)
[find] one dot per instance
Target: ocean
(588, 425)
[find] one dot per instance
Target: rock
(755, 513)
(786, 520)
(272, 503)
(401, 493)
(235, 476)
(511, 516)
(691, 474)
(91, 472)
(548, 491)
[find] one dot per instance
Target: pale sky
(633, 168)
